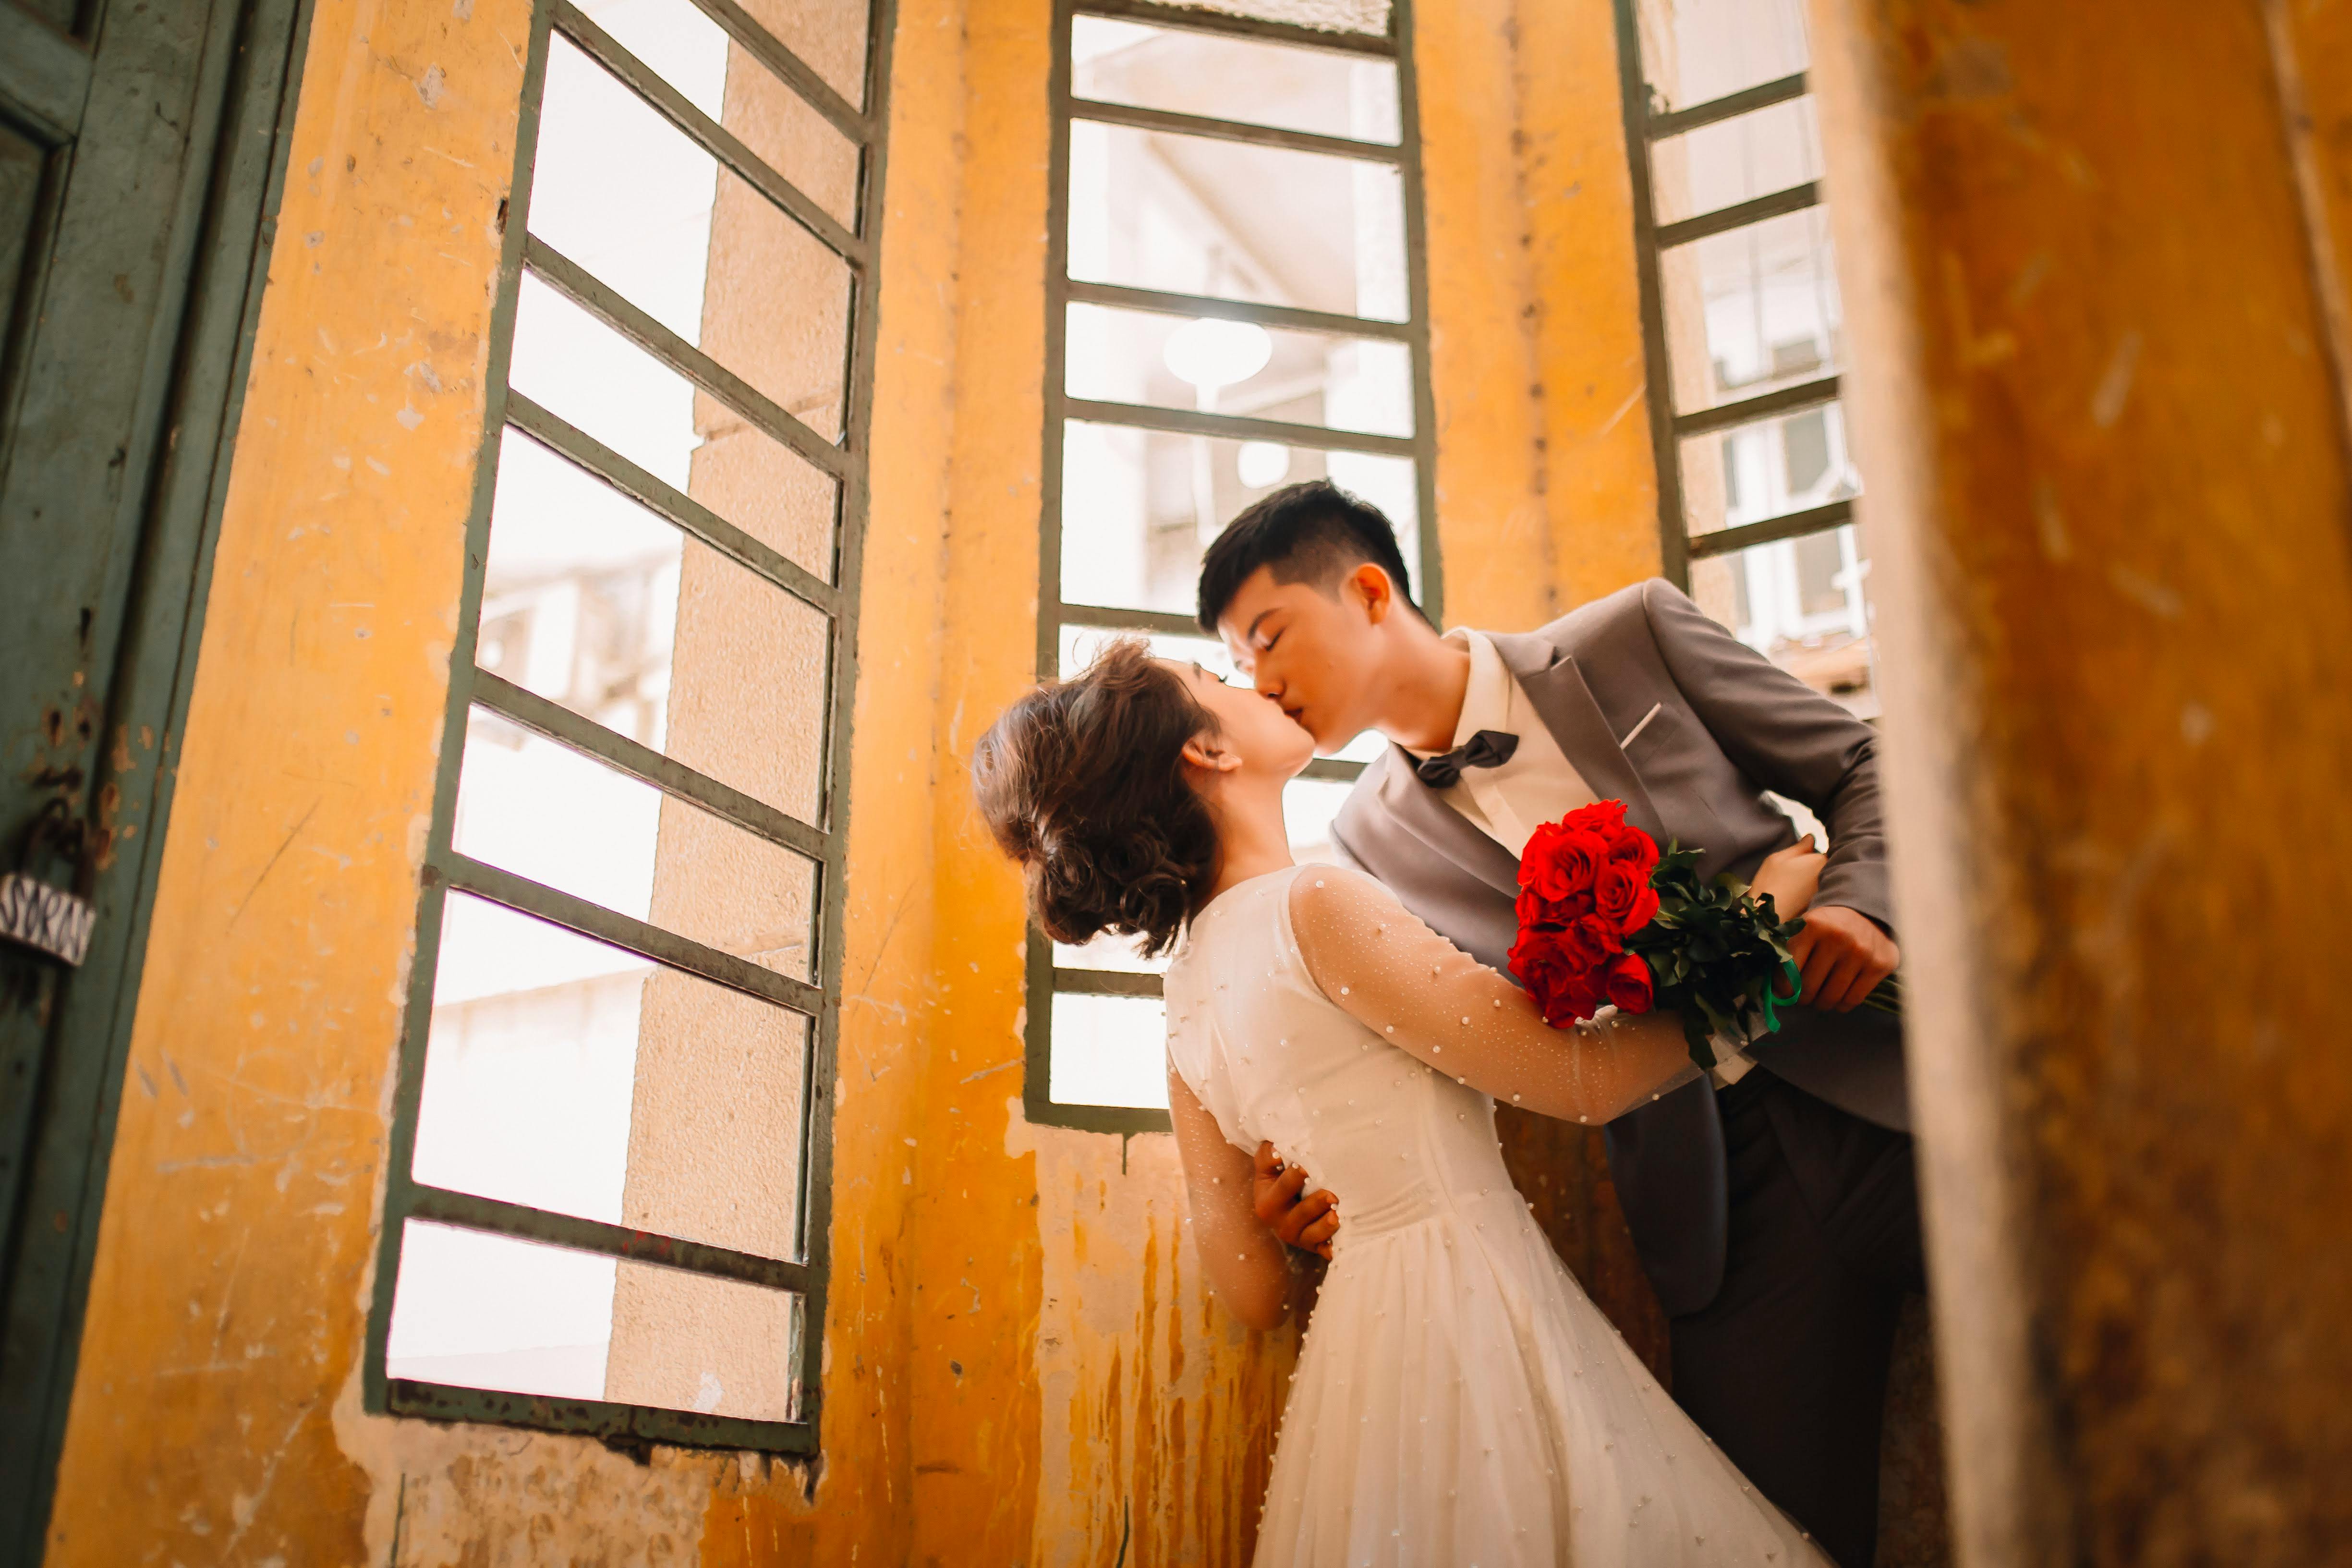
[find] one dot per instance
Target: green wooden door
(140, 143)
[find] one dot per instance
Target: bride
(1458, 1403)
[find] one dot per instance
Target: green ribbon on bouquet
(1771, 1001)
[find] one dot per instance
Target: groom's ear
(1369, 583)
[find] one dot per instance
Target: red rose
(1590, 941)
(1561, 863)
(1534, 910)
(1617, 892)
(1578, 1001)
(1603, 817)
(1563, 989)
(1627, 983)
(1606, 819)
(1630, 845)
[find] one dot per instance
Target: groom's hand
(1306, 1223)
(1844, 955)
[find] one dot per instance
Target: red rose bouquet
(1606, 919)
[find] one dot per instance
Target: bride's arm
(1419, 991)
(1248, 1267)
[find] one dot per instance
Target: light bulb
(1211, 354)
(1259, 465)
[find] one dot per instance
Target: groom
(1773, 1202)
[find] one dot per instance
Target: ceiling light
(1211, 354)
(1262, 464)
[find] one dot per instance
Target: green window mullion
(1740, 214)
(658, 495)
(624, 316)
(1122, 296)
(1787, 400)
(1772, 530)
(1236, 427)
(792, 70)
(1170, 123)
(1226, 24)
(1731, 106)
(617, 929)
(496, 1216)
(642, 762)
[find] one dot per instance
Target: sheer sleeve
(1418, 991)
(1248, 1267)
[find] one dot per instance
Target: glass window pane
(1234, 79)
(1736, 159)
(1110, 1050)
(1769, 469)
(1235, 367)
(541, 810)
(1081, 646)
(1804, 604)
(1309, 805)
(620, 191)
(1753, 310)
(1695, 51)
(597, 604)
(1106, 951)
(1308, 808)
(478, 1310)
(590, 376)
(684, 48)
(1138, 507)
(1236, 222)
(690, 52)
(490, 1311)
(573, 1076)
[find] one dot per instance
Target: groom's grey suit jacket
(1728, 725)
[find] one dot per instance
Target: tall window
(1235, 304)
(607, 1191)
(1740, 303)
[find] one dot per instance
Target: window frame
(1645, 126)
(1045, 980)
(823, 841)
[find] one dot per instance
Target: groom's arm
(1795, 741)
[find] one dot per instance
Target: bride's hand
(1791, 876)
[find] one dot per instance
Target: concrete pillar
(2095, 397)
(714, 1128)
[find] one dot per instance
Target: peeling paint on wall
(1160, 1408)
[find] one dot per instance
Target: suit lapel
(1557, 690)
(1418, 810)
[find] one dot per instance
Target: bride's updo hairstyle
(1081, 782)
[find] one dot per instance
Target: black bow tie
(1487, 749)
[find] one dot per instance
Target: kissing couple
(1458, 1401)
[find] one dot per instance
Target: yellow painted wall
(1021, 1363)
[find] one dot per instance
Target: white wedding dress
(1459, 1402)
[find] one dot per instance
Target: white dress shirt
(1539, 784)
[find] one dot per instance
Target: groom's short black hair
(1313, 532)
